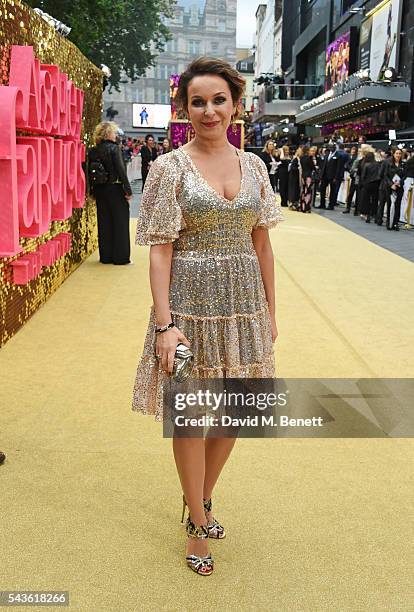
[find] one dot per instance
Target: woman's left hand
(274, 329)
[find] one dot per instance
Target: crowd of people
(147, 148)
(131, 147)
(375, 183)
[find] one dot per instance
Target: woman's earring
(233, 125)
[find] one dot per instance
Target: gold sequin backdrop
(19, 25)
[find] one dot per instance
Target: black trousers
(113, 224)
(272, 178)
(370, 198)
(283, 188)
(333, 192)
(397, 208)
(382, 199)
(144, 174)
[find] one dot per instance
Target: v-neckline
(197, 171)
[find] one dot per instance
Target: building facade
(344, 46)
(246, 68)
(198, 27)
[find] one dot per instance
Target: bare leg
(189, 457)
(217, 451)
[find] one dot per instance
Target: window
(214, 46)
(171, 46)
(194, 47)
(243, 66)
(221, 25)
(162, 71)
(165, 97)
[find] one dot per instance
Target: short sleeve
(160, 217)
(270, 211)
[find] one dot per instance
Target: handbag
(183, 363)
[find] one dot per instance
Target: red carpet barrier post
(50, 102)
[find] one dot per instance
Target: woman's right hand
(166, 345)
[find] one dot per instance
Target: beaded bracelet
(160, 330)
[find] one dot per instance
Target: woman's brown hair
(210, 65)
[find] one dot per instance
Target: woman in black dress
(393, 183)
(295, 179)
(269, 157)
(308, 178)
(370, 181)
(112, 196)
(284, 158)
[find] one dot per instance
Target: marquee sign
(41, 153)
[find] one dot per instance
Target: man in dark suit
(324, 176)
(148, 156)
(332, 174)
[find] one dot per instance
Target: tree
(125, 35)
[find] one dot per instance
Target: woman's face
(270, 147)
(312, 151)
(210, 106)
(398, 155)
(165, 143)
(150, 142)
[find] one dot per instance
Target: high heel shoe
(199, 565)
(215, 530)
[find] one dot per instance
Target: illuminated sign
(151, 115)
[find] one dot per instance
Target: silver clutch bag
(183, 363)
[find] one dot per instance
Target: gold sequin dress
(217, 297)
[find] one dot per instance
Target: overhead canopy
(277, 110)
(367, 98)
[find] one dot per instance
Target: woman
(359, 165)
(351, 167)
(407, 208)
(370, 181)
(315, 157)
(206, 211)
(295, 179)
(148, 155)
(166, 146)
(112, 196)
(269, 157)
(308, 182)
(393, 184)
(284, 159)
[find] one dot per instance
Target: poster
(337, 61)
(379, 39)
(365, 44)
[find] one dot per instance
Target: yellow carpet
(90, 495)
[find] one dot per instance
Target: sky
(246, 21)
